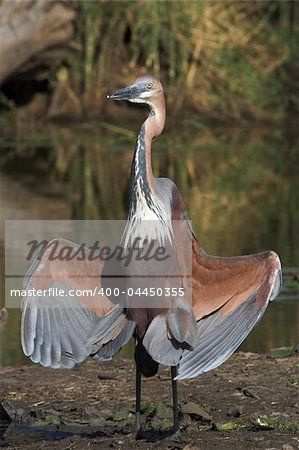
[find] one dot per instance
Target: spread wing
(230, 296)
(64, 316)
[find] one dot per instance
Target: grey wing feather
(111, 348)
(277, 286)
(181, 323)
(218, 337)
(107, 328)
(55, 331)
(158, 344)
(45, 347)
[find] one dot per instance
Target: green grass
(280, 424)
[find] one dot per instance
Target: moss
(293, 383)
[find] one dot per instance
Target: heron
(229, 294)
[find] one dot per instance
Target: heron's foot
(140, 434)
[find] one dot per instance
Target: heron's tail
(168, 335)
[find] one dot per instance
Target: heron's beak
(127, 93)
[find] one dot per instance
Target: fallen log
(33, 33)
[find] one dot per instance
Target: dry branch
(29, 30)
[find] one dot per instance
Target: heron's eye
(149, 85)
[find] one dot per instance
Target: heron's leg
(175, 398)
(138, 397)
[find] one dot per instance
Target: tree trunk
(33, 34)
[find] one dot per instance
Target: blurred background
(231, 75)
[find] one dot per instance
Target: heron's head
(143, 90)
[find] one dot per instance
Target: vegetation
(224, 58)
(281, 424)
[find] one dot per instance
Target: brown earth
(249, 402)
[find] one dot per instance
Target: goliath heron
(229, 294)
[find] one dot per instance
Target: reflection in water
(238, 186)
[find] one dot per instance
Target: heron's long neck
(142, 182)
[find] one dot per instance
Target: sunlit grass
(224, 58)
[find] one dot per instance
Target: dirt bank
(249, 402)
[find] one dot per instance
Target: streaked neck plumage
(149, 213)
(142, 182)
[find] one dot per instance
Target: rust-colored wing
(229, 296)
(69, 318)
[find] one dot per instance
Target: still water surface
(239, 187)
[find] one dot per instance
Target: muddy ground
(249, 402)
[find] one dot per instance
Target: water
(239, 187)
